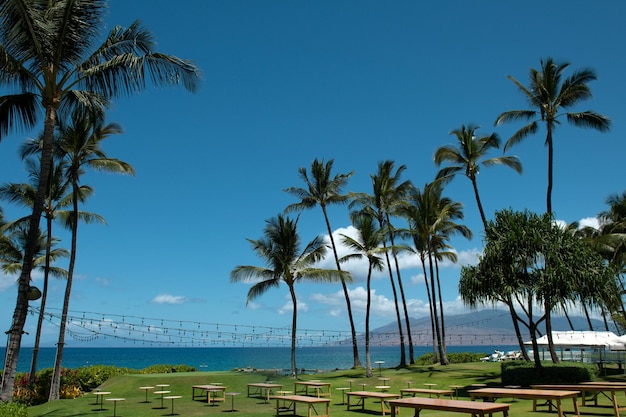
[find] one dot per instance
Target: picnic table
(456, 406)
(384, 397)
(213, 392)
(287, 404)
(550, 396)
(596, 389)
(405, 392)
(264, 389)
(317, 388)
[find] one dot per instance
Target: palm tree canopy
(286, 262)
(320, 189)
(470, 152)
(547, 94)
(49, 56)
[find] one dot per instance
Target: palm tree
(323, 190)
(548, 94)
(388, 194)
(367, 245)
(80, 146)
(56, 200)
(49, 65)
(469, 156)
(287, 263)
(432, 219)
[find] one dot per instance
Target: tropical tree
(469, 156)
(57, 199)
(80, 146)
(323, 189)
(50, 64)
(528, 259)
(286, 262)
(548, 94)
(368, 244)
(388, 192)
(432, 222)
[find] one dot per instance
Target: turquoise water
(227, 358)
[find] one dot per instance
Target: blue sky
(285, 82)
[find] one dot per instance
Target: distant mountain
(484, 327)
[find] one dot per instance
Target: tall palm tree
(548, 94)
(367, 245)
(286, 262)
(469, 156)
(432, 219)
(80, 146)
(57, 199)
(388, 193)
(50, 63)
(322, 189)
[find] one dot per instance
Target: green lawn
(127, 387)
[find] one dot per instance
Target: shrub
(526, 374)
(13, 410)
(457, 357)
(160, 369)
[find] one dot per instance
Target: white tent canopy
(583, 339)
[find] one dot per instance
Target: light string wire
(84, 326)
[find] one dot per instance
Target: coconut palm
(368, 245)
(286, 262)
(548, 94)
(469, 156)
(388, 193)
(50, 64)
(322, 189)
(80, 146)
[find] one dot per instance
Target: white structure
(587, 346)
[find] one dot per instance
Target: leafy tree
(367, 245)
(469, 156)
(528, 259)
(548, 94)
(388, 193)
(280, 248)
(49, 64)
(322, 189)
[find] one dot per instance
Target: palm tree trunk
(478, 202)
(430, 307)
(434, 304)
(368, 361)
(42, 306)
(518, 332)
(443, 355)
(346, 294)
(398, 318)
(294, 321)
(55, 384)
(21, 306)
(550, 159)
(548, 309)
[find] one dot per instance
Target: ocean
(228, 358)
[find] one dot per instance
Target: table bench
(264, 389)
(211, 391)
(595, 388)
(289, 404)
(550, 396)
(384, 397)
(405, 392)
(456, 406)
(322, 389)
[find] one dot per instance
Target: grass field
(134, 405)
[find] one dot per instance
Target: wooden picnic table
(384, 397)
(321, 389)
(455, 406)
(211, 391)
(264, 389)
(550, 396)
(287, 404)
(594, 388)
(405, 392)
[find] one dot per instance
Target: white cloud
(589, 222)
(169, 299)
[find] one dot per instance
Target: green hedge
(460, 357)
(13, 410)
(526, 374)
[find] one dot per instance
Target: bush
(526, 374)
(13, 410)
(165, 369)
(459, 357)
